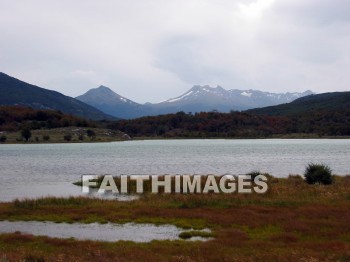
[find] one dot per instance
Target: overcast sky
(151, 50)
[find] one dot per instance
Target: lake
(34, 170)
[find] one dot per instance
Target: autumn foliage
(14, 118)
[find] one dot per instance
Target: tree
(318, 174)
(26, 134)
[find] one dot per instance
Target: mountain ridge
(16, 92)
(320, 102)
(197, 99)
(322, 115)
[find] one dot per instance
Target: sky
(153, 50)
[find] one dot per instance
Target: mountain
(17, 92)
(197, 99)
(320, 115)
(335, 101)
(206, 98)
(111, 103)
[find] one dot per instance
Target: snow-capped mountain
(206, 98)
(108, 101)
(197, 99)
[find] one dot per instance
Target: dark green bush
(26, 134)
(3, 139)
(91, 133)
(254, 174)
(318, 174)
(67, 137)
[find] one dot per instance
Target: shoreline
(283, 137)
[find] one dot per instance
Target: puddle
(111, 196)
(99, 232)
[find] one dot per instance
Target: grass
(294, 221)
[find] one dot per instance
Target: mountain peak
(206, 88)
(103, 88)
(101, 91)
(308, 92)
(109, 101)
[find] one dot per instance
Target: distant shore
(57, 135)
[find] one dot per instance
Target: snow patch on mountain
(180, 97)
(246, 94)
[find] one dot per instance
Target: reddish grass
(293, 222)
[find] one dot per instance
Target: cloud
(150, 50)
(314, 12)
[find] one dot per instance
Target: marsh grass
(40, 202)
(293, 221)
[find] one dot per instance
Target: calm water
(49, 169)
(101, 232)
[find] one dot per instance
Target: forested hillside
(237, 124)
(13, 118)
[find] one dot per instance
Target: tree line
(237, 124)
(15, 118)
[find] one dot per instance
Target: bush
(26, 134)
(3, 139)
(318, 174)
(67, 137)
(254, 174)
(46, 137)
(90, 133)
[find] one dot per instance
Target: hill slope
(17, 92)
(321, 102)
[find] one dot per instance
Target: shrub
(90, 133)
(26, 134)
(318, 174)
(46, 138)
(254, 174)
(3, 139)
(67, 137)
